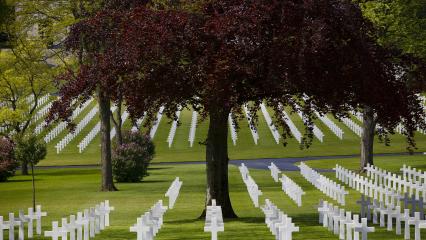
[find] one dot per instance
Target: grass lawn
(65, 191)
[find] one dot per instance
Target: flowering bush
(8, 164)
(130, 160)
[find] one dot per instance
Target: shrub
(8, 164)
(130, 160)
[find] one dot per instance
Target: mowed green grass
(65, 191)
(244, 149)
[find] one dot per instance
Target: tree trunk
(24, 168)
(367, 138)
(217, 163)
(119, 125)
(104, 112)
(34, 191)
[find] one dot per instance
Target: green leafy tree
(30, 149)
(400, 25)
(23, 74)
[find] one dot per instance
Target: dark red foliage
(322, 52)
(8, 163)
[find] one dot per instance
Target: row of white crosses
(89, 138)
(353, 126)
(214, 220)
(271, 125)
(232, 129)
(253, 128)
(293, 190)
(367, 186)
(156, 123)
(393, 212)
(20, 222)
(275, 172)
(358, 115)
(289, 187)
(413, 175)
(193, 129)
(293, 129)
(280, 225)
(62, 126)
(173, 128)
(322, 183)
(75, 114)
(173, 192)
(341, 223)
(124, 117)
(80, 126)
(93, 133)
(317, 132)
(41, 101)
(42, 112)
(83, 226)
(386, 201)
(149, 224)
(331, 125)
(252, 188)
(396, 182)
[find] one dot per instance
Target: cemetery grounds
(63, 190)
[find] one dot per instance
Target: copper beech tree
(317, 54)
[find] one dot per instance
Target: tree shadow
(158, 168)
(67, 172)
(18, 180)
(184, 221)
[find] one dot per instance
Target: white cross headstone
(108, 210)
(173, 192)
(31, 217)
(92, 224)
(64, 229)
(286, 229)
(214, 228)
(22, 220)
(82, 224)
(101, 212)
(3, 226)
(406, 218)
(336, 221)
(322, 209)
(141, 230)
(55, 233)
(416, 221)
(348, 222)
(396, 213)
(364, 229)
(39, 214)
(12, 223)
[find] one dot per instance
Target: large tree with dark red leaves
(317, 54)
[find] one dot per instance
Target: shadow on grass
(158, 168)
(184, 221)
(68, 172)
(144, 181)
(246, 220)
(19, 180)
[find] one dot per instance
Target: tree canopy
(243, 51)
(321, 55)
